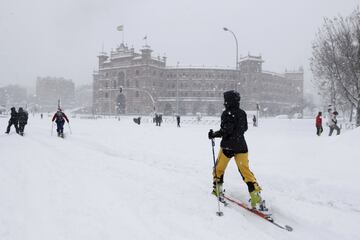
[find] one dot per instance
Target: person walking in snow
(333, 124)
(14, 120)
(178, 120)
(59, 118)
(232, 128)
(318, 124)
(23, 118)
(254, 121)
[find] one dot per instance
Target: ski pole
(219, 212)
(69, 128)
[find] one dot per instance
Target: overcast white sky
(62, 38)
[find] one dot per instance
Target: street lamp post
(237, 47)
(177, 88)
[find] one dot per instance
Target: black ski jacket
(14, 117)
(232, 128)
(23, 117)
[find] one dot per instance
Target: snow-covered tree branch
(335, 61)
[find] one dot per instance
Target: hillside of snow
(113, 179)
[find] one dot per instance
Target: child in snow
(318, 124)
(59, 118)
(233, 126)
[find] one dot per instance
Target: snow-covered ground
(114, 179)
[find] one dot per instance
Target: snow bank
(117, 180)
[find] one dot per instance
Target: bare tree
(336, 61)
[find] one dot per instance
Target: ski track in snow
(113, 179)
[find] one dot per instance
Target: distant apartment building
(148, 85)
(49, 90)
(13, 95)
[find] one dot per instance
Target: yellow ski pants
(242, 163)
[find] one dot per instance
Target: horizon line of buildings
(147, 84)
(130, 82)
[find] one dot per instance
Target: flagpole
(120, 28)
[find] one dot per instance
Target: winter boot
(255, 198)
(218, 190)
(257, 202)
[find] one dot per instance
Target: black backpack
(59, 116)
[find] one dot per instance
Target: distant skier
(232, 128)
(178, 120)
(318, 124)
(59, 118)
(333, 124)
(14, 120)
(23, 118)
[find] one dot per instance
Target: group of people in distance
(20, 118)
(331, 122)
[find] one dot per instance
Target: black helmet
(231, 98)
(12, 109)
(21, 109)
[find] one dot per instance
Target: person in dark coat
(59, 118)
(254, 121)
(13, 121)
(23, 118)
(178, 120)
(232, 128)
(137, 120)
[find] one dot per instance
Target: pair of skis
(264, 216)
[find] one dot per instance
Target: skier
(232, 128)
(60, 118)
(318, 124)
(178, 120)
(23, 118)
(333, 124)
(13, 121)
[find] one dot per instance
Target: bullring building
(129, 82)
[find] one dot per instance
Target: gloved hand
(210, 134)
(213, 134)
